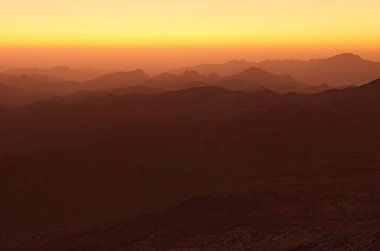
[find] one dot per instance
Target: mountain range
(339, 70)
(62, 72)
(281, 76)
(250, 79)
(255, 78)
(203, 168)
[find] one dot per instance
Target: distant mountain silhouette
(166, 77)
(16, 96)
(251, 79)
(193, 76)
(27, 81)
(188, 79)
(346, 57)
(39, 83)
(339, 70)
(254, 78)
(117, 80)
(227, 69)
(352, 98)
(62, 72)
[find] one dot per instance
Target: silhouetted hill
(354, 98)
(227, 69)
(62, 72)
(166, 77)
(40, 83)
(345, 57)
(15, 96)
(118, 80)
(28, 81)
(254, 78)
(251, 79)
(170, 81)
(193, 76)
(339, 70)
(138, 89)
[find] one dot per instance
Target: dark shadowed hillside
(110, 140)
(16, 96)
(201, 168)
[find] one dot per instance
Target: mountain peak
(139, 71)
(135, 73)
(346, 57)
(119, 79)
(253, 69)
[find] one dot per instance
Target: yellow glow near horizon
(190, 23)
(171, 33)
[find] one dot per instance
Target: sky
(168, 33)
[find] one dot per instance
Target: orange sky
(166, 33)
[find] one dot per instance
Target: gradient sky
(117, 33)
